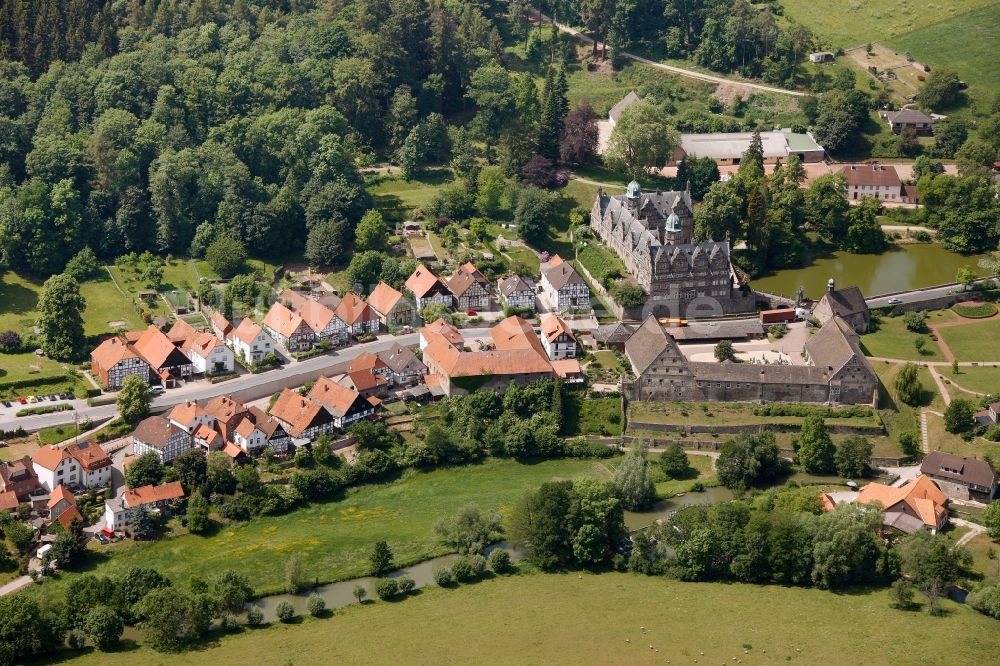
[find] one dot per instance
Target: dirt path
(689, 73)
(942, 389)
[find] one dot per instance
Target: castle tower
(633, 191)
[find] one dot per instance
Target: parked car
(156, 390)
(32, 399)
(53, 397)
(6, 403)
(470, 312)
(22, 400)
(894, 301)
(103, 539)
(66, 395)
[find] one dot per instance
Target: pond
(338, 595)
(635, 520)
(901, 268)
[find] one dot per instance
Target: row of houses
(469, 289)
(298, 321)
(183, 351)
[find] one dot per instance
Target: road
(251, 387)
(920, 294)
(688, 73)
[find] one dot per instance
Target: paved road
(974, 530)
(294, 373)
(689, 73)
(921, 294)
(15, 585)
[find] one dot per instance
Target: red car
(22, 400)
(470, 312)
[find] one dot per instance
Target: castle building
(653, 234)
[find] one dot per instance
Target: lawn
(897, 415)
(893, 340)
(106, 304)
(964, 44)
(940, 439)
(396, 197)
(609, 618)
(19, 367)
(335, 538)
(982, 379)
(702, 466)
(718, 413)
(975, 341)
(592, 416)
(856, 22)
(522, 257)
(18, 300)
(598, 260)
(980, 546)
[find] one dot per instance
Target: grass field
(897, 415)
(854, 22)
(335, 538)
(702, 465)
(942, 440)
(964, 44)
(16, 367)
(893, 340)
(982, 379)
(979, 546)
(396, 197)
(598, 259)
(609, 618)
(18, 300)
(975, 341)
(593, 416)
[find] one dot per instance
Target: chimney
(830, 285)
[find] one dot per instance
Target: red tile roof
(282, 320)
(879, 175)
(153, 494)
(247, 331)
(338, 399)
(155, 347)
(464, 277)
(49, 457)
(182, 331)
(186, 412)
(553, 326)
(317, 315)
(112, 351)
(366, 361)
(353, 310)
(384, 298)
(298, 412)
(61, 494)
(422, 281)
(67, 517)
(90, 455)
(8, 501)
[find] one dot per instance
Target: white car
(894, 301)
(156, 390)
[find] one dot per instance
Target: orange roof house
(301, 417)
(553, 326)
(67, 517)
(90, 456)
(318, 316)
(356, 313)
(160, 352)
(422, 280)
(920, 503)
(390, 304)
(247, 331)
(181, 332)
(114, 359)
(282, 321)
(222, 327)
(367, 362)
(155, 495)
(49, 457)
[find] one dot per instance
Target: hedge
(857, 411)
(102, 400)
(981, 311)
(34, 381)
(44, 409)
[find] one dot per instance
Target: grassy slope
(334, 539)
(962, 44)
(983, 379)
(566, 618)
(854, 22)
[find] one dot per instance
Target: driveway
(15, 585)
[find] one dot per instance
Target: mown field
(894, 340)
(982, 379)
(974, 341)
(854, 22)
(609, 618)
(335, 538)
(965, 44)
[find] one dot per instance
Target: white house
(95, 464)
(119, 512)
(428, 288)
(557, 338)
(250, 342)
(564, 287)
(162, 437)
(249, 437)
(54, 466)
(210, 355)
(517, 292)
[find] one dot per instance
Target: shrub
(461, 569)
(255, 616)
(443, 577)
(315, 605)
(993, 433)
(405, 584)
(386, 588)
(10, 342)
(477, 565)
(284, 611)
(499, 561)
(975, 311)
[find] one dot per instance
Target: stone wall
(835, 428)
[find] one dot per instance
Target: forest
(164, 125)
